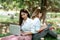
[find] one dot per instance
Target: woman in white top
(37, 34)
(26, 25)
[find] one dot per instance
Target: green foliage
(58, 30)
(10, 4)
(54, 5)
(3, 35)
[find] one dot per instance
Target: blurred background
(9, 13)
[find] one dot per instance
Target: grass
(48, 37)
(8, 19)
(3, 35)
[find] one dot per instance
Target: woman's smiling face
(24, 15)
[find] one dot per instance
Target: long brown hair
(35, 13)
(20, 18)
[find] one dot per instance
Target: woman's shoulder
(29, 20)
(36, 19)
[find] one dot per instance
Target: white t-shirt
(27, 25)
(36, 25)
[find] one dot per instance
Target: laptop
(14, 29)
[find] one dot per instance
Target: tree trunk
(43, 9)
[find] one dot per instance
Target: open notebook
(14, 29)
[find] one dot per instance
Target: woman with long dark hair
(21, 18)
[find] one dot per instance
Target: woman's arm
(27, 33)
(42, 28)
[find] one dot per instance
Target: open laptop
(14, 29)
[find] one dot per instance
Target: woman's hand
(23, 34)
(27, 33)
(44, 25)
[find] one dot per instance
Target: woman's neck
(25, 19)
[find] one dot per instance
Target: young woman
(26, 24)
(36, 16)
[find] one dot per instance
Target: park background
(9, 13)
